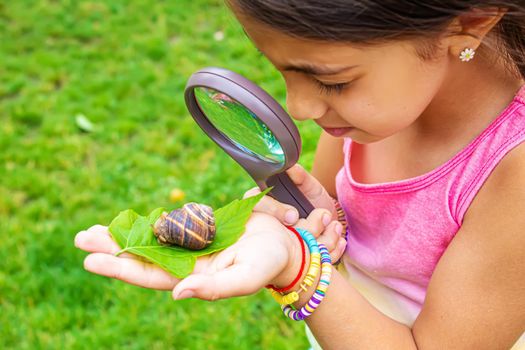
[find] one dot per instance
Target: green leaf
(134, 234)
(140, 240)
(155, 214)
(140, 233)
(178, 265)
(121, 226)
(231, 219)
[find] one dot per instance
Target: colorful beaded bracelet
(340, 216)
(319, 294)
(303, 258)
(311, 275)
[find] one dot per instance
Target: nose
(304, 103)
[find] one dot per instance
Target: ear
(471, 28)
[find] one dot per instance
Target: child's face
(386, 91)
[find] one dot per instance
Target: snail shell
(192, 227)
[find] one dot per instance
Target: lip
(337, 131)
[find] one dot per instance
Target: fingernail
(77, 240)
(291, 217)
(339, 229)
(326, 219)
(185, 294)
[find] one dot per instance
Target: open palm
(241, 269)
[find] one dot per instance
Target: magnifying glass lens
(239, 125)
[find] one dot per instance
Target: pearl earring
(467, 54)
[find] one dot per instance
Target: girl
(423, 109)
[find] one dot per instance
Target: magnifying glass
(249, 125)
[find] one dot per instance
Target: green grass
(124, 65)
(241, 126)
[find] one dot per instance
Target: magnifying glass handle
(285, 191)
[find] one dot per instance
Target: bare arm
(328, 160)
(476, 296)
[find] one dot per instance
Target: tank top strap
(502, 136)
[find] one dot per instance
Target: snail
(192, 227)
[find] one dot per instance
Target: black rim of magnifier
(258, 102)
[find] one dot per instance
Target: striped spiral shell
(192, 227)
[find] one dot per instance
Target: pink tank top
(397, 231)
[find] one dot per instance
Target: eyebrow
(316, 70)
(309, 68)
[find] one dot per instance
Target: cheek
(390, 100)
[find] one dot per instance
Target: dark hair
(368, 21)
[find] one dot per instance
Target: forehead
(283, 49)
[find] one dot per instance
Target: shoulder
(478, 285)
(505, 187)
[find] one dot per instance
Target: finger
(233, 281)
(251, 192)
(308, 184)
(130, 271)
(316, 222)
(99, 229)
(342, 246)
(331, 236)
(285, 213)
(336, 254)
(96, 241)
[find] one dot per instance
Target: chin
(363, 138)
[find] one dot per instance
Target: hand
(126, 267)
(241, 269)
(325, 231)
(308, 185)
(266, 253)
(325, 214)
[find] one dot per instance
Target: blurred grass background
(122, 65)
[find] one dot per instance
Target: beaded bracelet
(303, 258)
(340, 216)
(311, 275)
(320, 291)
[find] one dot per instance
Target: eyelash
(329, 89)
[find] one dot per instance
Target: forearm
(346, 320)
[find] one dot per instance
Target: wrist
(318, 275)
(296, 249)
